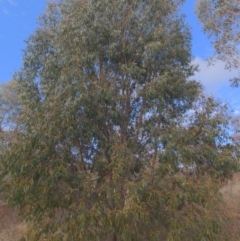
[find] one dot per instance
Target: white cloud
(215, 80)
(213, 76)
(236, 112)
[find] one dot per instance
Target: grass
(11, 229)
(231, 196)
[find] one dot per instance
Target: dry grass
(231, 196)
(12, 229)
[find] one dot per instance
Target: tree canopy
(116, 141)
(221, 20)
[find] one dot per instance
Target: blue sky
(17, 22)
(18, 19)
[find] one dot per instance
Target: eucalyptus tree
(116, 142)
(221, 20)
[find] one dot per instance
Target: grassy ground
(231, 196)
(11, 229)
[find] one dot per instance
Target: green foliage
(221, 20)
(116, 142)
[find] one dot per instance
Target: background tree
(116, 143)
(221, 20)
